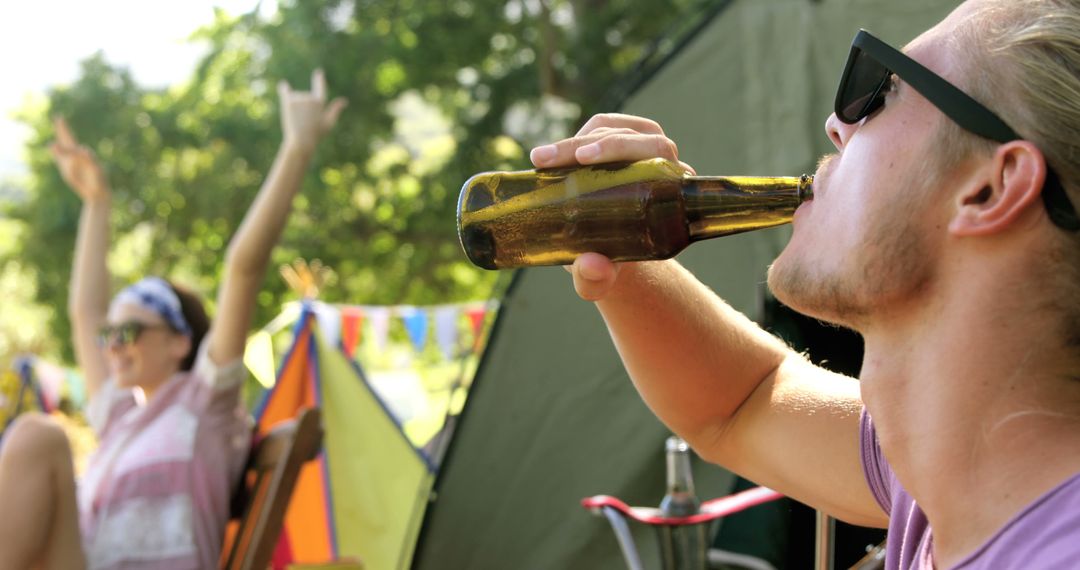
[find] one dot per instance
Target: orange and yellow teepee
(365, 496)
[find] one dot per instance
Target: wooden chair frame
(264, 494)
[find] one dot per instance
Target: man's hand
(305, 116)
(77, 164)
(607, 137)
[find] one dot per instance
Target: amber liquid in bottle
(628, 211)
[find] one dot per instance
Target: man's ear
(1010, 184)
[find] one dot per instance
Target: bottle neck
(679, 500)
(723, 205)
(680, 478)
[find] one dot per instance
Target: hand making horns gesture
(305, 115)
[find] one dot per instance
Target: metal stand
(824, 542)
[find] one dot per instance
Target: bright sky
(43, 41)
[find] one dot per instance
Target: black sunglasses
(867, 78)
(125, 333)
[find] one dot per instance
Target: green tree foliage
(438, 90)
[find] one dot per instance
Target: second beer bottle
(628, 211)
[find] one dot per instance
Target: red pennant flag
(351, 319)
(476, 317)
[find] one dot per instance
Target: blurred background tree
(438, 90)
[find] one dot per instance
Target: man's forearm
(693, 358)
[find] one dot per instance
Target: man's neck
(969, 412)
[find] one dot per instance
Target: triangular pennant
(446, 330)
(476, 318)
(351, 320)
(328, 317)
(379, 317)
(259, 358)
(415, 321)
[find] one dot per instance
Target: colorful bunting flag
(329, 320)
(415, 321)
(351, 320)
(380, 325)
(476, 316)
(446, 329)
(259, 357)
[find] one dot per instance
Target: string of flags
(350, 326)
(347, 322)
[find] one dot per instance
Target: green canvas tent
(552, 416)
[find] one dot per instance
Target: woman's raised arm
(305, 118)
(88, 299)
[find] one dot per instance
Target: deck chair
(683, 543)
(267, 487)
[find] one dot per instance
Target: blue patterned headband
(154, 293)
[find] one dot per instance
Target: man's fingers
(333, 110)
(594, 276)
(609, 147)
(627, 147)
(564, 152)
(283, 90)
(561, 153)
(318, 84)
(619, 120)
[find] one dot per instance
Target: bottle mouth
(806, 188)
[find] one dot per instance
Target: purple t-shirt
(1044, 535)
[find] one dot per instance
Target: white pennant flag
(446, 330)
(379, 317)
(329, 319)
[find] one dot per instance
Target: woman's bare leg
(39, 521)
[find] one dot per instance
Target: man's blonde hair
(1022, 60)
(1035, 47)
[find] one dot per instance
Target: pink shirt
(156, 492)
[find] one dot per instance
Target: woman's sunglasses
(867, 79)
(124, 333)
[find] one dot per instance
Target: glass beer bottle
(681, 547)
(628, 211)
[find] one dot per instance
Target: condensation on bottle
(627, 211)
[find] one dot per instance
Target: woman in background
(163, 385)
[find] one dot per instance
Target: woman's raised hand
(305, 115)
(78, 166)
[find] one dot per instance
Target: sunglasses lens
(128, 332)
(860, 88)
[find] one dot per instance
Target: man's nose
(838, 131)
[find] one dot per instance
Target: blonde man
(944, 229)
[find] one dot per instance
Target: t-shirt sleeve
(219, 377)
(875, 467)
(219, 385)
(108, 403)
